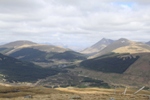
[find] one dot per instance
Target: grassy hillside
(111, 63)
(15, 70)
(128, 69)
(30, 54)
(15, 46)
(72, 79)
(70, 93)
(4, 50)
(68, 55)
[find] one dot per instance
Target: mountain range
(121, 61)
(30, 51)
(124, 46)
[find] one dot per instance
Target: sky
(74, 23)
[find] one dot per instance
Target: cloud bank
(74, 22)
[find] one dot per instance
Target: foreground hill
(98, 46)
(131, 69)
(70, 93)
(12, 69)
(124, 46)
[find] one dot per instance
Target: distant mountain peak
(98, 46)
(104, 40)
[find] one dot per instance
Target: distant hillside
(124, 46)
(127, 69)
(110, 63)
(30, 54)
(12, 69)
(29, 51)
(97, 46)
(148, 43)
(18, 45)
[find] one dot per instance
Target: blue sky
(74, 23)
(128, 4)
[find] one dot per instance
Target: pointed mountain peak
(105, 40)
(98, 46)
(123, 40)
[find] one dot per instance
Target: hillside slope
(12, 69)
(129, 69)
(29, 51)
(18, 45)
(124, 46)
(30, 54)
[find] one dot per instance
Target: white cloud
(74, 21)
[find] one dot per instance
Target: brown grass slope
(41, 93)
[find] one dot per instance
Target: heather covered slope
(12, 69)
(110, 63)
(129, 69)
